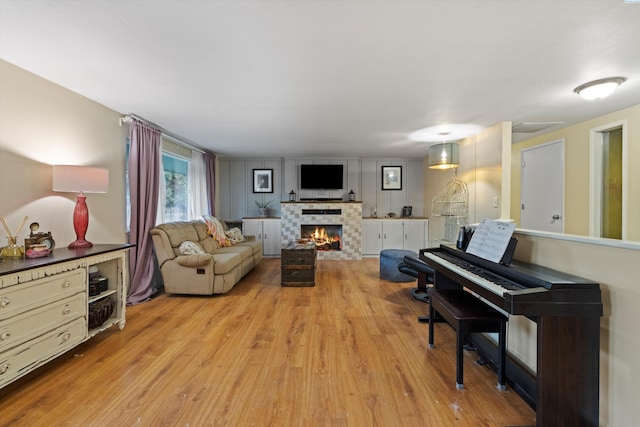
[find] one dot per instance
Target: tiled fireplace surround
(350, 217)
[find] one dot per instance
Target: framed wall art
(392, 177)
(263, 180)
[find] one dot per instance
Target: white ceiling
(329, 78)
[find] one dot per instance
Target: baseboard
(518, 377)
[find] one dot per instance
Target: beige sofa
(214, 272)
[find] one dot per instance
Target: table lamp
(80, 179)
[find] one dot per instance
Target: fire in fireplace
(326, 237)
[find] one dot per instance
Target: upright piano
(567, 310)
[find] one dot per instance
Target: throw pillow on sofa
(191, 248)
(216, 230)
(235, 235)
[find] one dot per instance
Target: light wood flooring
(347, 352)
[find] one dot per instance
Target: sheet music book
(490, 239)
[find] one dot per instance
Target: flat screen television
(321, 177)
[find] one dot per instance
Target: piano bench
(467, 313)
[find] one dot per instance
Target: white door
(252, 228)
(371, 236)
(542, 188)
(392, 234)
(271, 237)
(414, 235)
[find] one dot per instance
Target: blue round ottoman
(389, 260)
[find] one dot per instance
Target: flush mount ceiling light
(599, 89)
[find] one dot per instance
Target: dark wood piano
(567, 310)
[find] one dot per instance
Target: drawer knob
(4, 302)
(66, 284)
(66, 309)
(5, 335)
(66, 337)
(4, 368)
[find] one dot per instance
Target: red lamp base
(80, 223)
(80, 243)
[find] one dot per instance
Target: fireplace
(327, 237)
(348, 215)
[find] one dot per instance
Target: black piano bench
(467, 313)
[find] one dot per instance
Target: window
(182, 185)
(176, 186)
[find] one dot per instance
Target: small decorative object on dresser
(38, 244)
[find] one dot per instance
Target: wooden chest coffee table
(298, 261)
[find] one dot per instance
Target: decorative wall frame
(392, 177)
(263, 180)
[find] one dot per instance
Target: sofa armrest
(194, 261)
(250, 238)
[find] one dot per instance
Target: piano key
(487, 280)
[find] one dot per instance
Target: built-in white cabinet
(379, 234)
(266, 230)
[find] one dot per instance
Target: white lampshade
(599, 89)
(444, 156)
(80, 179)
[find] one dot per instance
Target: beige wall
(577, 158)
(617, 269)
(42, 124)
(481, 158)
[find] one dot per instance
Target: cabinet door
(252, 228)
(392, 235)
(271, 237)
(371, 236)
(414, 235)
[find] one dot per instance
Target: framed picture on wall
(392, 177)
(263, 180)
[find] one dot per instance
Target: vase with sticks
(13, 250)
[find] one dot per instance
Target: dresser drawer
(26, 357)
(32, 323)
(26, 296)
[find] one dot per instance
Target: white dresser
(46, 308)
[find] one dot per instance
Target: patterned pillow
(216, 230)
(235, 235)
(191, 248)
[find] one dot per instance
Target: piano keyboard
(492, 282)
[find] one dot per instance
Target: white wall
(42, 124)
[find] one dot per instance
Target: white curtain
(162, 197)
(198, 202)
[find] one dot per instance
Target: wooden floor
(347, 352)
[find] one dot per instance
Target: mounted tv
(321, 177)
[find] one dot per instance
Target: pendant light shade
(444, 156)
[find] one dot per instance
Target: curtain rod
(183, 142)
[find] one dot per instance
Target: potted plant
(262, 207)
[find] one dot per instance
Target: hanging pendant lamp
(444, 156)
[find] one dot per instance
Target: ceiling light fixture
(599, 89)
(445, 155)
